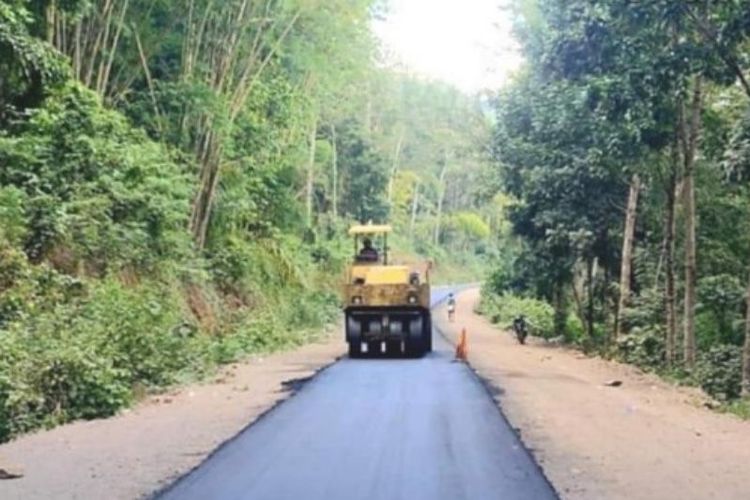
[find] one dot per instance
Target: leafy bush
(719, 371)
(26, 289)
(12, 216)
(740, 408)
(720, 304)
(644, 310)
(643, 347)
(574, 330)
(49, 379)
(95, 189)
(502, 309)
(81, 347)
(84, 357)
(81, 359)
(499, 280)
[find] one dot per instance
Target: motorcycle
(521, 329)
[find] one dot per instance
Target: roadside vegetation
(624, 145)
(177, 178)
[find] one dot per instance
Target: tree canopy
(623, 142)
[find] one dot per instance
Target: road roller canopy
(370, 229)
(370, 254)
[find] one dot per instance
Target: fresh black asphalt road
(376, 429)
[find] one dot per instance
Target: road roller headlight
(412, 299)
(357, 300)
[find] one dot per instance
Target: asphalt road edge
(294, 387)
(495, 393)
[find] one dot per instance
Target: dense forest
(624, 144)
(176, 179)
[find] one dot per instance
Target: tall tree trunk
(394, 167)
(96, 40)
(441, 198)
(607, 299)
(578, 301)
(50, 13)
(310, 181)
(690, 143)
(627, 253)
(670, 229)
(690, 271)
(210, 161)
(334, 173)
(560, 309)
(746, 351)
(590, 297)
(149, 83)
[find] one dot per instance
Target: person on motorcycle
(451, 307)
(520, 327)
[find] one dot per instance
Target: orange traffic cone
(462, 349)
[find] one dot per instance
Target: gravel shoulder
(645, 439)
(144, 449)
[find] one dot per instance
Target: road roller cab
(387, 305)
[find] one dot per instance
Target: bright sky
(465, 42)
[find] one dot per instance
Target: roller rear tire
(393, 348)
(428, 332)
(355, 350)
(414, 349)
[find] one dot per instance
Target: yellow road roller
(387, 306)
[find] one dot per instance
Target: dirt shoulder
(643, 440)
(143, 449)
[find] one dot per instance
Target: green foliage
(737, 155)
(97, 190)
(721, 299)
(499, 280)
(282, 265)
(740, 408)
(503, 309)
(27, 64)
(265, 330)
(82, 358)
(643, 348)
(645, 312)
(87, 357)
(12, 217)
(27, 290)
(574, 330)
(718, 371)
(365, 177)
(466, 229)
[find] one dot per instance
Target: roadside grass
(739, 408)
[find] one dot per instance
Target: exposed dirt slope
(142, 450)
(643, 440)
